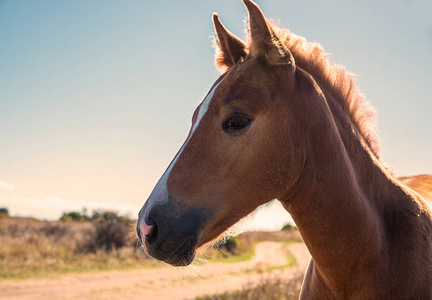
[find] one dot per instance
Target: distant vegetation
(231, 249)
(104, 240)
(111, 231)
(289, 227)
(74, 216)
(78, 243)
(4, 212)
(242, 247)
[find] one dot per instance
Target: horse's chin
(184, 256)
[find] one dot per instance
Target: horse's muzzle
(168, 234)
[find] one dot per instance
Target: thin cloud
(6, 186)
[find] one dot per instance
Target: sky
(96, 97)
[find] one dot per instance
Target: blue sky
(96, 97)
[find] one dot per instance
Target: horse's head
(245, 147)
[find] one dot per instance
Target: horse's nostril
(152, 236)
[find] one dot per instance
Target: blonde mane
(337, 81)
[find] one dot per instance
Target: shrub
(111, 232)
(4, 212)
(30, 247)
(289, 227)
(230, 244)
(73, 216)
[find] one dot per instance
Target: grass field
(32, 248)
(275, 288)
(253, 265)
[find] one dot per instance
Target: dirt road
(161, 283)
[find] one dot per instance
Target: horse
(283, 122)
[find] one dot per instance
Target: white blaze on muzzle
(159, 194)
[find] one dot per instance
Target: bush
(289, 227)
(230, 244)
(74, 216)
(29, 247)
(4, 212)
(111, 232)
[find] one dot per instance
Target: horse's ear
(229, 49)
(263, 39)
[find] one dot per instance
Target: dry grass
(31, 248)
(275, 288)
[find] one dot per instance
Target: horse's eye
(236, 122)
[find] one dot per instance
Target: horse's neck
(339, 203)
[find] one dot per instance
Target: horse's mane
(337, 81)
